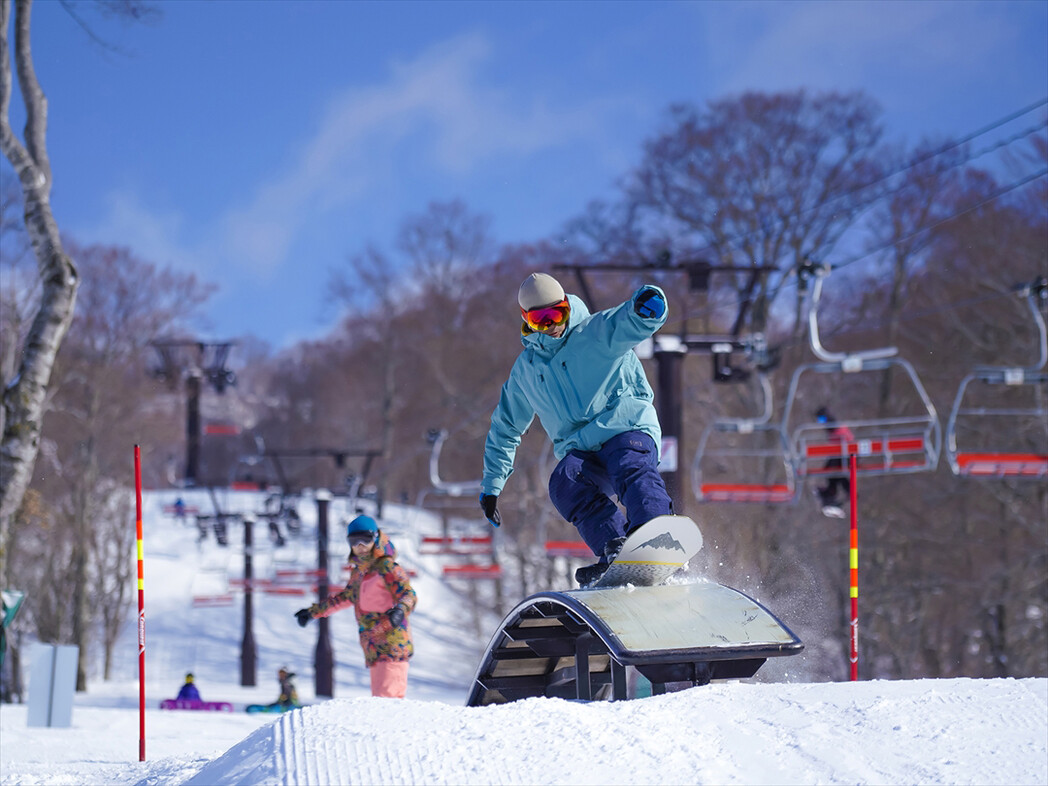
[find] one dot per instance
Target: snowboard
(270, 707)
(192, 704)
(652, 553)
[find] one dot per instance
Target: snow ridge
(966, 731)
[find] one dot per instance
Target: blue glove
(396, 616)
(650, 304)
(489, 502)
(303, 616)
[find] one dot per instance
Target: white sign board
(52, 683)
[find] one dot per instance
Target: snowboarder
(578, 373)
(188, 691)
(834, 494)
(382, 597)
(288, 698)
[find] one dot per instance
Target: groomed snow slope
(923, 731)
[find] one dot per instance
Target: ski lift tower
(192, 363)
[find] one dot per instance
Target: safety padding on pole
(690, 633)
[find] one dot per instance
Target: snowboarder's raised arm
(620, 328)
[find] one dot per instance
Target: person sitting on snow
(188, 692)
(288, 698)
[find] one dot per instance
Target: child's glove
(303, 616)
(650, 304)
(396, 616)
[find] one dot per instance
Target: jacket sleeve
(333, 603)
(509, 421)
(621, 328)
(399, 586)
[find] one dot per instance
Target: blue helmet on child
(361, 525)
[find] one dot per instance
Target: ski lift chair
(891, 445)
(981, 462)
(750, 443)
(436, 438)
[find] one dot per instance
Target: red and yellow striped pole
(853, 558)
(141, 612)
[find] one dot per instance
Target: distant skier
(382, 597)
(578, 372)
(835, 493)
(188, 691)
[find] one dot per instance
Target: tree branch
(33, 97)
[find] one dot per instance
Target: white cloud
(436, 102)
(150, 233)
(436, 109)
(849, 45)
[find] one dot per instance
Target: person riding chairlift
(835, 493)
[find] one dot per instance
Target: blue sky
(259, 143)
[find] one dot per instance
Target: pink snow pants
(389, 678)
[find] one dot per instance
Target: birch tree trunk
(24, 397)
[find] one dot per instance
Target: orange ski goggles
(547, 317)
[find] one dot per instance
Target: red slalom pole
(141, 612)
(853, 558)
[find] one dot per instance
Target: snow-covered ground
(923, 731)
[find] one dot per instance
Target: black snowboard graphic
(647, 559)
(663, 541)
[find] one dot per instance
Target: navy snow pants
(583, 483)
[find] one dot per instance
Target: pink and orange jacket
(376, 584)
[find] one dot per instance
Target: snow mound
(925, 731)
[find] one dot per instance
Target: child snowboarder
(578, 372)
(382, 597)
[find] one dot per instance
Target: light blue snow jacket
(586, 387)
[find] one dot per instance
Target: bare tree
(760, 181)
(904, 226)
(25, 392)
(24, 395)
(114, 573)
(445, 246)
(405, 307)
(101, 402)
(19, 285)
